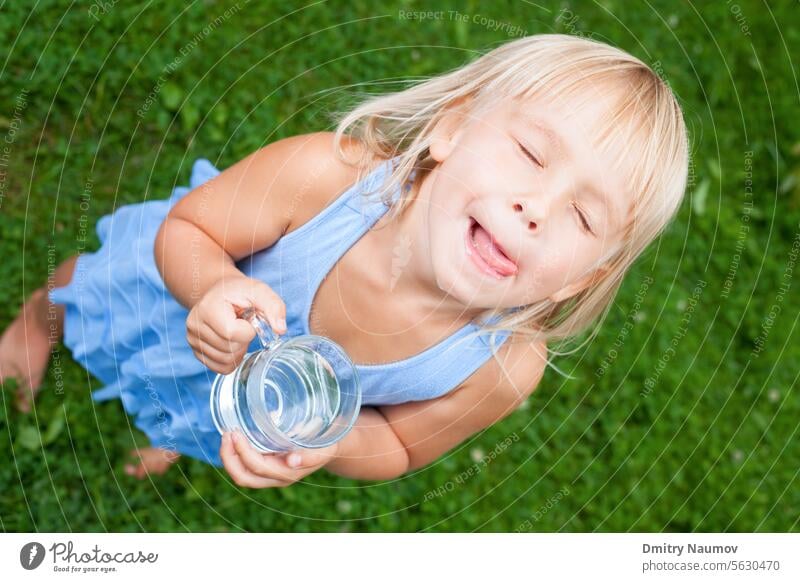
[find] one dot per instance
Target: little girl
(442, 236)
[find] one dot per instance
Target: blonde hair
(645, 111)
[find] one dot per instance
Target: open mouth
(486, 253)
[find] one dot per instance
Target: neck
(403, 246)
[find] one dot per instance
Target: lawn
(109, 103)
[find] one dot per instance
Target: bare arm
(189, 260)
(371, 450)
(246, 208)
(391, 440)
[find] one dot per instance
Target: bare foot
(152, 460)
(25, 349)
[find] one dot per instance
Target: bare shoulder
(272, 191)
(514, 373)
(320, 176)
(428, 428)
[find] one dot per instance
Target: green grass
(713, 446)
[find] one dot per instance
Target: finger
(193, 323)
(199, 330)
(215, 365)
(23, 393)
(23, 400)
(229, 327)
(141, 471)
(309, 458)
(212, 363)
(233, 352)
(236, 469)
(26, 394)
(214, 354)
(224, 357)
(270, 466)
(34, 380)
(264, 298)
(218, 367)
(137, 471)
(211, 337)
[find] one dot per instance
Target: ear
(447, 129)
(583, 283)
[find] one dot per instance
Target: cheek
(443, 236)
(447, 215)
(478, 165)
(549, 271)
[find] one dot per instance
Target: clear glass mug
(298, 393)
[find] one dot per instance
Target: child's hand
(218, 337)
(250, 468)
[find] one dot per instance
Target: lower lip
(476, 258)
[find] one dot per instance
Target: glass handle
(265, 334)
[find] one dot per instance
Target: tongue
(491, 254)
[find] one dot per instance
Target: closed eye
(530, 156)
(586, 225)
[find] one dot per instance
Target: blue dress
(123, 325)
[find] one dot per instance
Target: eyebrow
(552, 136)
(612, 209)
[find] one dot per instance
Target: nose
(538, 204)
(526, 212)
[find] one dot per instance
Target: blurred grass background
(644, 439)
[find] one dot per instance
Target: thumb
(270, 304)
(309, 457)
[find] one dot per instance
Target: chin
(460, 288)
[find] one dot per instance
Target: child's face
(531, 204)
